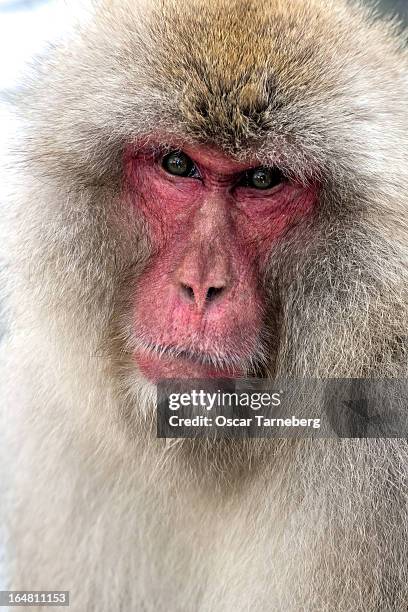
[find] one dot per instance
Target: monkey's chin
(156, 367)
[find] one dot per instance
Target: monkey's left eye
(180, 164)
(263, 177)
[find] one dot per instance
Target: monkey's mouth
(157, 361)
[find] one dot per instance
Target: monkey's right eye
(179, 164)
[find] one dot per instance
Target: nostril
(198, 296)
(212, 293)
(188, 292)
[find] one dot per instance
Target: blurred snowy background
(25, 26)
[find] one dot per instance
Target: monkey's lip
(157, 362)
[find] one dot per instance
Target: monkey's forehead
(234, 72)
(305, 81)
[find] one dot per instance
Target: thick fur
(95, 503)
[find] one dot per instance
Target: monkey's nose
(203, 276)
(201, 294)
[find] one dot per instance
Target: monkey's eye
(263, 177)
(179, 164)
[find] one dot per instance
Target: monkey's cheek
(155, 367)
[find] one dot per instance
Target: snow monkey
(205, 189)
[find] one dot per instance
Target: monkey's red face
(199, 305)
